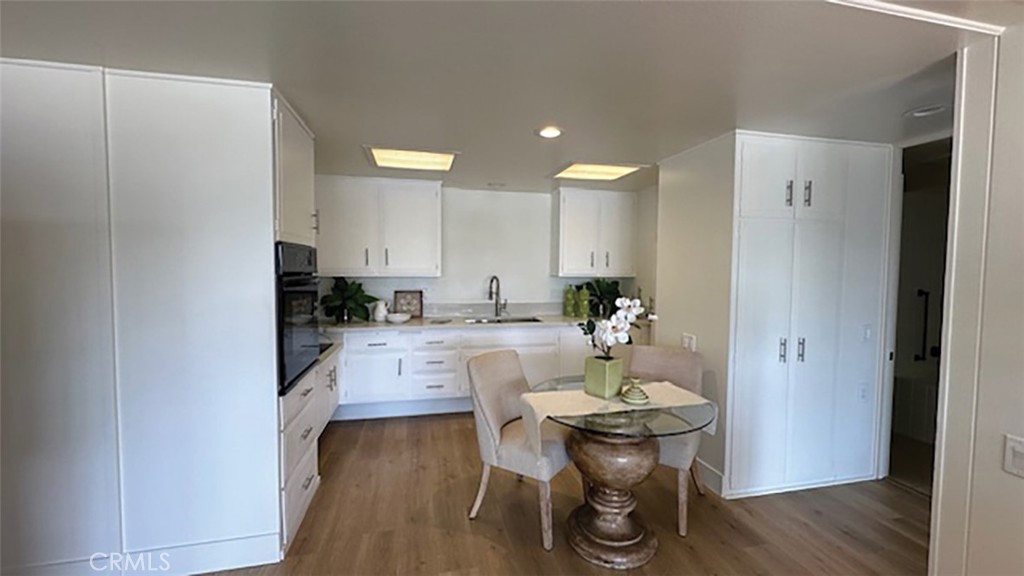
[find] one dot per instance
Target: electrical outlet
(1013, 457)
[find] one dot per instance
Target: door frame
(970, 178)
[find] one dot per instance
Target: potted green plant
(602, 296)
(347, 300)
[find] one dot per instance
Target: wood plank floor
(395, 496)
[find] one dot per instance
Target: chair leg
(547, 535)
(480, 492)
(681, 497)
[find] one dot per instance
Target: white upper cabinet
(411, 228)
(616, 256)
(349, 227)
(594, 232)
(784, 177)
(767, 177)
(579, 223)
(378, 227)
(822, 169)
(296, 219)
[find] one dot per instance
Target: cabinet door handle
(607, 259)
(435, 386)
(306, 392)
(782, 350)
(376, 344)
(399, 366)
(435, 362)
(309, 480)
(387, 257)
(808, 191)
(789, 192)
(591, 258)
(366, 256)
(800, 343)
(307, 432)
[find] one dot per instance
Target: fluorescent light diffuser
(596, 171)
(412, 159)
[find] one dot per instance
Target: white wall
(996, 522)
(645, 230)
(695, 214)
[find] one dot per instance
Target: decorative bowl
(399, 317)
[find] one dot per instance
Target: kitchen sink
(503, 320)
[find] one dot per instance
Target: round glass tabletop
(648, 422)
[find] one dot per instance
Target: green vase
(602, 377)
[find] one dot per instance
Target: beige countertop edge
(455, 324)
(326, 354)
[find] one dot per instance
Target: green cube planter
(602, 377)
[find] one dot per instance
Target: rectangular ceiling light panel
(412, 159)
(596, 171)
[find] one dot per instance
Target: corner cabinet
(295, 218)
(594, 233)
(378, 227)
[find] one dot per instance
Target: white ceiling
(629, 82)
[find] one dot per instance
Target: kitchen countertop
(455, 323)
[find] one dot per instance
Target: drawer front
(298, 437)
(300, 396)
(439, 386)
(435, 361)
(298, 493)
(438, 339)
(375, 341)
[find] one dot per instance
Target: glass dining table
(616, 449)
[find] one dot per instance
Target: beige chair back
(677, 365)
(496, 380)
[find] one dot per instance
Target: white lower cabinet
(297, 493)
(393, 366)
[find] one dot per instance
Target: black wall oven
(298, 337)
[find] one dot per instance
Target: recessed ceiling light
(926, 111)
(411, 159)
(580, 171)
(549, 132)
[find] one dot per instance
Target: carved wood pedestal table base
(603, 530)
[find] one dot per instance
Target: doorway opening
(922, 271)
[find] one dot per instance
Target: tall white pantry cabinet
(140, 409)
(809, 225)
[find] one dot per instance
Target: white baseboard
(711, 476)
(187, 559)
(766, 490)
(406, 408)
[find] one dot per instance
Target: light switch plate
(689, 341)
(1013, 458)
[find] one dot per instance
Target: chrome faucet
(494, 293)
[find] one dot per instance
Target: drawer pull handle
(435, 386)
(309, 480)
(307, 432)
(306, 392)
(376, 344)
(435, 362)
(434, 342)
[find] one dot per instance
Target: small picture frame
(410, 302)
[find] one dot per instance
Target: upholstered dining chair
(496, 380)
(684, 369)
